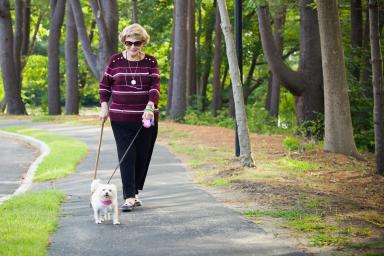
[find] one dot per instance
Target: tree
(134, 11)
(191, 52)
(338, 124)
(106, 16)
(216, 86)
(305, 83)
(279, 20)
(56, 21)
(71, 65)
(180, 61)
(356, 34)
(241, 118)
(378, 84)
(11, 78)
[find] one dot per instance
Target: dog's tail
(94, 185)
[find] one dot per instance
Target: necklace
(133, 81)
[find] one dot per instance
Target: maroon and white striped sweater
(129, 99)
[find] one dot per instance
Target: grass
(65, 153)
(26, 222)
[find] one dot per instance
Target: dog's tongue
(106, 202)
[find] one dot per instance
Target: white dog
(104, 201)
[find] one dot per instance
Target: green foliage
(27, 221)
(313, 129)
(197, 118)
(291, 144)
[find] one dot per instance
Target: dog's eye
(103, 189)
(110, 190)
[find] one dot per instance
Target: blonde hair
(136, 31)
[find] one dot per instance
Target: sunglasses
(136, 43)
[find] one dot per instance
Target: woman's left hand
(149, 111)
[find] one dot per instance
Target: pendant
(133, 82)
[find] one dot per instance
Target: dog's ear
(94, 185)
(114, 188)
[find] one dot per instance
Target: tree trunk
(134, 11)
(241, 117)
(107, 27)
(338, 123)
(216, 86)
(56, 21)
(11, 81)
(198, 47)
(208, 58)
(71, 65)
(191, 53)
(180, 61)
(378, 84)
(170, 81)
(306, 83)
(356, 34)
(26, 27)
(279, 21)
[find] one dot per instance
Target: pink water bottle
(147, 122)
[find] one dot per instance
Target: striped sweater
(131, 84)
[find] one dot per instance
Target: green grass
(65, 153)
(319, 231)
(297, 165)
(26, 222)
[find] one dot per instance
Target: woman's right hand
(103, 115)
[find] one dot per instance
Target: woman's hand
(103, 115)
(149, 111)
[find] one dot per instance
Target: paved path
(178, 218)
(15, 158)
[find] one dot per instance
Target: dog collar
(106, 202)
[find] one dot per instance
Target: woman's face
(133, 46)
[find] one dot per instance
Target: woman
(132, 79)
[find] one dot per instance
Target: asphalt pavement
(177, 216)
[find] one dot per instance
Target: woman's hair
(136, 31)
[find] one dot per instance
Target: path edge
(28, 179)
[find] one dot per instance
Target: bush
(292, 144)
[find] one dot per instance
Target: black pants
(134, 167)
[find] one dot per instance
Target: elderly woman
(132, 79)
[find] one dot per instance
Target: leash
(98, 150)
(126, 151)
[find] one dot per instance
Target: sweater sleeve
(105, 85)
(154, 90)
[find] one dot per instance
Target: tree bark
(216, 86)
(71, 65)
(241, 117)
(378, 84)
(338, 123)
(279, 21)
(306, 83)
(134, 11)
(180, 61)
(26, 13)
(191, 53)
(56, 21)
(356, 34)
(208, 58)
(11, 81)
(170, 81)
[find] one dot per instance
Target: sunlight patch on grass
(372, 217)
(297, 165)
(65, 153)
(26, 222)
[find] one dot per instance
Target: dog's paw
(116, 222)
(98, 221)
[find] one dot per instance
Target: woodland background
(54, 52)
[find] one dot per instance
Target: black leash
(122, 158)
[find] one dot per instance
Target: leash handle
(98, 149)
(126, 151)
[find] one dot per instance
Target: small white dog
(104, 201)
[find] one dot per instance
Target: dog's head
(104, 191)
